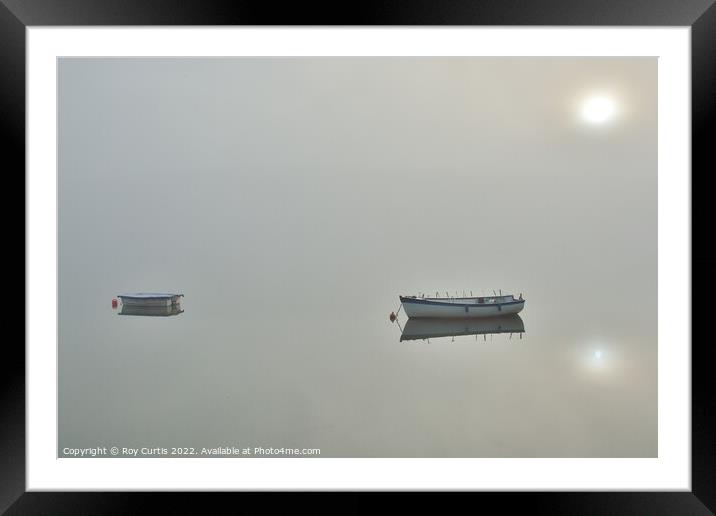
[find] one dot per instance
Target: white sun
(598, 110)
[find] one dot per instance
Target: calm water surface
(292, 200)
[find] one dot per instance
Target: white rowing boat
(461, 307)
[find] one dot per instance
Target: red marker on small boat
(114, 303)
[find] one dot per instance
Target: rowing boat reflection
(421, 329)
(151, 311)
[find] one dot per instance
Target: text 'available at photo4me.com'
(216, 451)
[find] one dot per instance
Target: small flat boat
(150, 299)
(461, 307)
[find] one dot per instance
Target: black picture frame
(700, 15)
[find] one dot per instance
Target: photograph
(357, 257)
(439, 250)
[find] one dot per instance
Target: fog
(291, 200)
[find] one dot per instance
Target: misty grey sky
(292, 200)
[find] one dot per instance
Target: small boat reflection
(420, 329)
(151, 311)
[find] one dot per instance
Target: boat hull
(157, 301)
(422, 308)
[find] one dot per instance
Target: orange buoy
(114, 303)
(393, 317)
